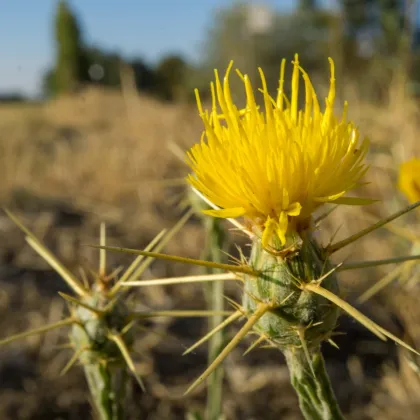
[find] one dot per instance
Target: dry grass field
(101, 156)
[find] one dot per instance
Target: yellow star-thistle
(276, 166)
(409, 179)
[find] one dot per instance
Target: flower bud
(281, 285)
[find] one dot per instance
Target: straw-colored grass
(100, 150)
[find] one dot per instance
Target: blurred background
(96, 109)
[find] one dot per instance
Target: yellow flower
(409, 179)
(276, 166)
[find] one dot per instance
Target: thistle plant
(275, 167)
(214, 250)
(102, 324)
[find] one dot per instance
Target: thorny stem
(215, 242)
(102, 385)
(316, 397)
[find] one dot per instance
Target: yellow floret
(409, 179)
(275, 166)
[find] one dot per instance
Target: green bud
(104, 364)
(93, 329)
(292, 309)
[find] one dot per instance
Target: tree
(258, 36)
(308, 5)
(144, 76)
(68, 71)
(101, 67)
(171, 73)
(385, 21)
(379, 32)
(49, 85)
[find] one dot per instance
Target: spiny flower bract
(275, 166)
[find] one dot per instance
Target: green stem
(316, 397)
(215, 242)
(107, 390)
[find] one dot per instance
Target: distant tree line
(77, 64)
(11, 97)
(369, 40)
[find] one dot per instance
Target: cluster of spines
(232, 272)
(101, 321)
(237, 272)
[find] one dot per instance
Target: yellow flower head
(276, 166)
(409, 179)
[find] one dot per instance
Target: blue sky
(144, 28)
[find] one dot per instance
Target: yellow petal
(409, 181)
(226, 213)
(285, 199)
(329, 198)
(279, 158)
(269, 227)
(282, 227)
(294, 209)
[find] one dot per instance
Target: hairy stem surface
(107, 389)
(316, 397)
